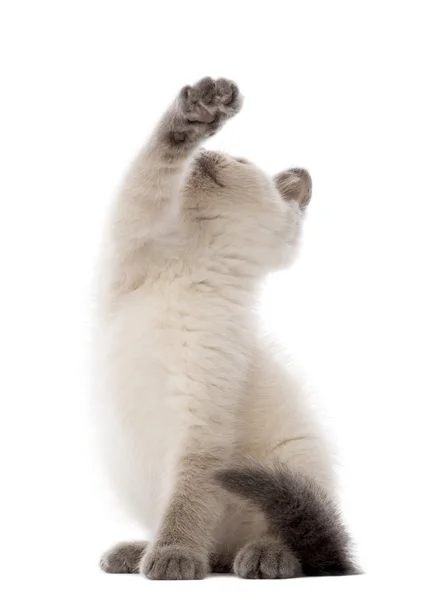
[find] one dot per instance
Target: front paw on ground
(266, 560)
(123, 558)
(173, 562)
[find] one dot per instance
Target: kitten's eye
(242, 160)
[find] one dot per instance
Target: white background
(337, 87)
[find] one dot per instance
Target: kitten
(189, 387)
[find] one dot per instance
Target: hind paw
(266, 559)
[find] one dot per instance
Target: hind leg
(124, 557)
(266, 558)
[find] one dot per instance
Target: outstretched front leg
(149, 201)
(148, 206)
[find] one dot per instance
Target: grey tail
(300, 512)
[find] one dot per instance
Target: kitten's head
(216, 171)
(253, 211)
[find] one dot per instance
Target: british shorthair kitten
(209, 439)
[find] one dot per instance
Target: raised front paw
(266, 559)
(123, 558)
(210, 100)
(201, 110)
(173, 562)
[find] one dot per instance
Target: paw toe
(227, 91)
(206, 89)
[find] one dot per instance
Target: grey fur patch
(300, 512)
(266, 559)
(124, 557)
(206, 166)
(295, 184)
(184, 541)
(197, 114)
(173, 562)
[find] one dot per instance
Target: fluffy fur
(187, 384)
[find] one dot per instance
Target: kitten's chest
(182, 316)
(168, 340)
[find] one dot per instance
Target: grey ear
(295, 184)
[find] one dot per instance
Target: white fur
(182, 365)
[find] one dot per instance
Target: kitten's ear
(295, 184)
